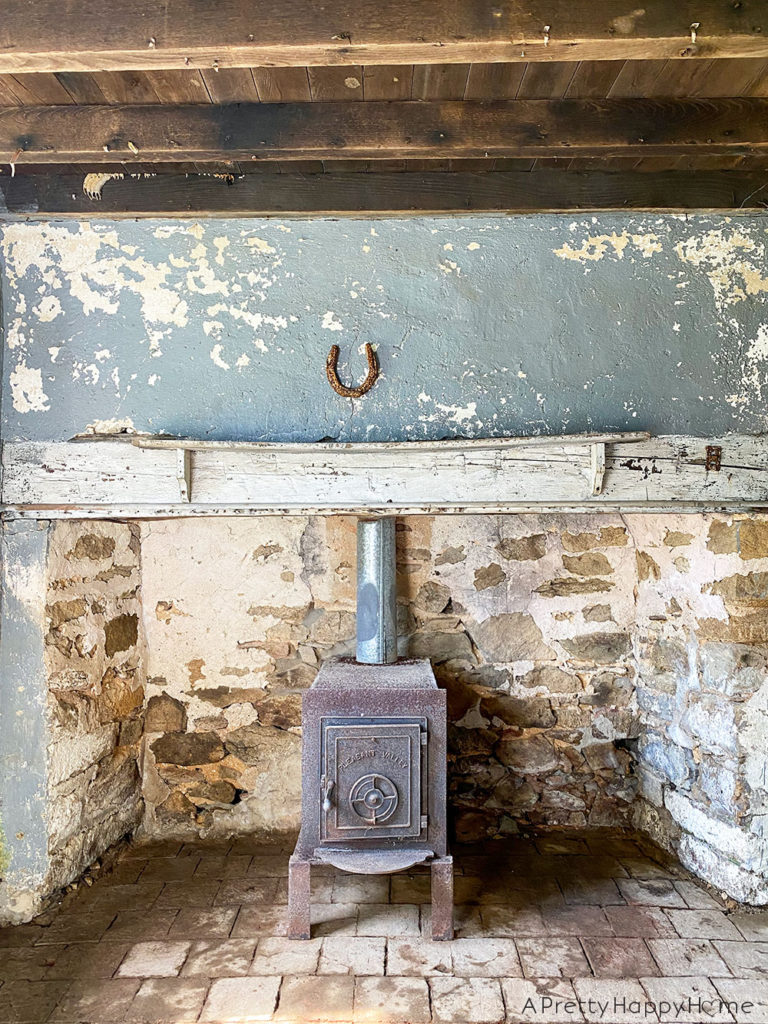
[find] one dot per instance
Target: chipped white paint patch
(451, 413)
(331, 322)
(732, 260)
(473, 246)
(113, 426)
(595, 247)
(27, 389)
(755, 371)
(48, 309)
(217, 359)
(261, 246)
(221, 243)
(101, 354)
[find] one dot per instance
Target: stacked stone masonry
(95, 662)
(601, 670)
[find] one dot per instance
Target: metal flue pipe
(376, 592)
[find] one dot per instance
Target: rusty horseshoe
(333, 376)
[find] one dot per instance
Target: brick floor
(553, 928)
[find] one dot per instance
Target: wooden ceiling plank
(125, 87)
(44, 196)
(231, 85)
(82, 87)
(759, 86)
(388, 81)
(178, 86)
(282, 85)
(494, 81)
(636, 78)
(388, 130)
(86, 35)
(336, 84)
(546, 81)
(8, 98)
(439, 81)
(593, 79)
(40, 88)
(730, 78)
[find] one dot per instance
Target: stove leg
(298, 898)
(442, 899)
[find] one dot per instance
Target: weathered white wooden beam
(117, 479)
(184, 473)
(597, 466)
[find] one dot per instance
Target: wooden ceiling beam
(551, 191)
(90, 35)
(383, 130)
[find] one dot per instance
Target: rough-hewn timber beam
(90, 35)
(377, 130)
(544, 190)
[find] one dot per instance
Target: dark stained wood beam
(43, 196)
(91, 35)
(383, 130)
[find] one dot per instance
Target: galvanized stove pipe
(376, 592)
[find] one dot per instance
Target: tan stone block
(392, 1001)
(241, 1000)
(419, 957)
(552, 957)
(532, 1001)
(387, 919)
(647, 566)
(328, 998)
(522, 549)
(753, 538)
(723, 537)
(278, 955)
(359, 955)
(154, 960)
(485, 958)
(458, 1000)
(168, 999)
(220, 959)
(606, 537)
(566, 586)
(592, 563)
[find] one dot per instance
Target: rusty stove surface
(373, 781)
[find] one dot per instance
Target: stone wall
(93, 655)
(702, 649)
(526, 620)
(601, 670)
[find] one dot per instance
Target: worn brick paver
(532, 1001)
(168, 999)
(154, 960)
(619, 958)
(689, 958)
(237, 1000)
(391, 1001)
(561, 957)
(186, 932)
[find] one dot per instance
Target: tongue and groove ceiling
(513, 105)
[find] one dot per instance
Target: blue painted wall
(484, 326)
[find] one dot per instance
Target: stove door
(371, 781)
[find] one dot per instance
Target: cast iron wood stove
(373, 753)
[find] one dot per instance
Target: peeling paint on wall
(482, 325)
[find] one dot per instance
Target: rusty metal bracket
(333, 376)
(714, 455)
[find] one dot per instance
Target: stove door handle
(327, 804)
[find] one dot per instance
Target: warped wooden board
(118, 479)
(380, 193)
(89, 35)
(380, 129)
